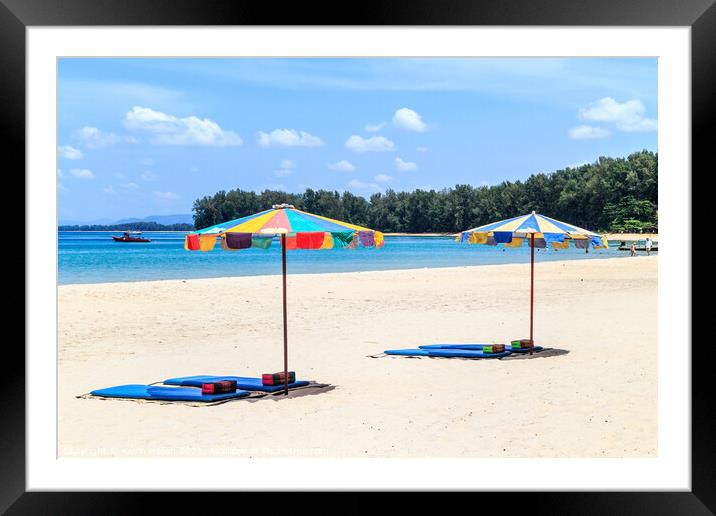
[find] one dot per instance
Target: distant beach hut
(296, 229)
(539, 231)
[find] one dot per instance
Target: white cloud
(421, 149)
(148, 175)
(588, 132)
(360, 185)
(148, 162)
(82, 173)
(374, 128)
(405, 165)
(171, 130)
(59, 172)
(406, 118)
(69, 152)
(382, 178)
(627, 116)
(425, 188)
(286, 168)
(288, 138)
(342, 166)
(109, 189)
(170, 196)
(372, 144)
(129, 185)
(93, 138)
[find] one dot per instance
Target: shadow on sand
(309, 390)
(545, 353)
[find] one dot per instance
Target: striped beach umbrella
(295, 229)
(539, 231)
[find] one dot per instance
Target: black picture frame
(699, 15)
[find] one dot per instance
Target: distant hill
(72, 222)
(184, 218)
(166, 220)
(127, 226)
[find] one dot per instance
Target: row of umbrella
(298, 229)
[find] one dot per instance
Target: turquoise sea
(93, 257)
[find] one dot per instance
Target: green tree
(611, 193)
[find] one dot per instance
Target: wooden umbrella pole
(532, 292)
(285, 317)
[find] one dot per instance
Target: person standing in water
(648, 245)
(632, 249)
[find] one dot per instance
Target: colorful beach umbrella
(539, 231)
(296, 229)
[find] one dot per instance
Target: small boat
(127, 237)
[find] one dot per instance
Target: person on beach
(647, 245)
(632, 249)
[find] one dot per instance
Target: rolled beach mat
(277, 378)
(520, 343)
(494, 348)
(219, 387)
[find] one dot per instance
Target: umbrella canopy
(539, 231)
(297, 230)
(528, 226)
(283, 218)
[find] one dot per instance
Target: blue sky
(140, 137)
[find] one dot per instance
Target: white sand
(599, 400)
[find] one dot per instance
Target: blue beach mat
(408, 352)
(148, 392)
(508, 347)
(249, 384)
(447, 353)
(454, 346)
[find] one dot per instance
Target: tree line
(611, 194)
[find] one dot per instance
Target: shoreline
(610, 236)
(124, 230)
(321, 274)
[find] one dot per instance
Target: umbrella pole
(532, 291)
(285, 318)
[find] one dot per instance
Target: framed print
(416, 247)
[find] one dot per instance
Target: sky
(148, 136)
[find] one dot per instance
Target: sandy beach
(597, 400)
